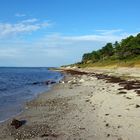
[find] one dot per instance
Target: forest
(128, 48)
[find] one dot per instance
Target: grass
(109, 63)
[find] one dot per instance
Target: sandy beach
(86, 106)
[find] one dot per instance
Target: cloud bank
(52, 49)
(24, 26)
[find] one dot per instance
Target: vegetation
(125, 52)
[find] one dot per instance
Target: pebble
(107, 125)
(82, 80)
(137, 106)
(108, 135)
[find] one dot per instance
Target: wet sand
(88, 106)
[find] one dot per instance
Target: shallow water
(16, 87)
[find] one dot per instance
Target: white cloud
(54, 49)
(20, 15)
(25, 26)
(102, 36)
(32, 20)
(109, 32)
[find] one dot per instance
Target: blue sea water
(16, 87)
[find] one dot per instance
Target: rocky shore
(85, 105)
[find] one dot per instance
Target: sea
(19, 85)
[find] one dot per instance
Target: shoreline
(37, 88)
(82, 106)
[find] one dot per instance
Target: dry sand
(82, 107)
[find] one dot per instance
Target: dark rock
(87, 100)
(122, 92)
(108, 135)
(44, 135)
(138, 92)
(107, 125)
(16, 123)
(120, 88)
(36, 83)
(128, 98)
(51, 135)
(137, 106)
(82, 128)
(128, 87)
(49, 82)
(119, 126)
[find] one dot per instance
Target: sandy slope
(83, 107)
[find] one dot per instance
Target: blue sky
(58, 32)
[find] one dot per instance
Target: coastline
(81, 107)
(19, 85)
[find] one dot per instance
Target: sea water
(17, 87)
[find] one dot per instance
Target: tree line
(126, 49)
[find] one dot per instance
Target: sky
(42, 33)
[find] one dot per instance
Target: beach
(88, 105)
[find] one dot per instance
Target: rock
(128, 87)
(87, 100)
(74, 82)
(44, 135)
(82, 128)
(128, 98)
(119, 126)
(138, 92)
(36, 83)
(81, 80)
(26, 108)
(16, 123)
(49, 82)
(108, 135)
(122, 92)
(62, 82)
(137, 106)
(107, 125)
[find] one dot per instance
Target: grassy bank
(110, 63)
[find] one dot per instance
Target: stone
(81, 80)
(107, 125)
(137, 106)
(16, 123)
(49, 82)
(108, 135)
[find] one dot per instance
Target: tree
(129, 47)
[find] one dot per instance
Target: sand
(81, 107)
